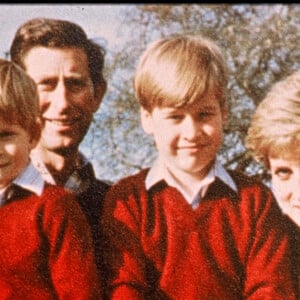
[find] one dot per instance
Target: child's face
(187, 139)
(15, 146)
(285, 174)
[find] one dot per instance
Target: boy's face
(67, 96)
(285, 174)
(187, 139)
(15, 147)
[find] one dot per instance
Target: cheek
(282, 189)
(165, 139)
(44, 103)
(10, 149)
(214, 128)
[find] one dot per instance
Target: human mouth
(193, 148)
(62, 123)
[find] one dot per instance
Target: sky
(98, 20)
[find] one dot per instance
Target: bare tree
(261, 46)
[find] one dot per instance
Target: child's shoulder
(135, 178)
(131, 182)
(243, 180)
(57, 197)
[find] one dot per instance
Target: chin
(60, 145)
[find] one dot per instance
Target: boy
(187, 228)
(274, 139)
(46, 246)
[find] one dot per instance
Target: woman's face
(285, 175)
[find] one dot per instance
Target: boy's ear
(224, 112)
(146, 120)
(99, 92)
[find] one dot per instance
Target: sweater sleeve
(269, 263)
(71, 259)
(122, 242)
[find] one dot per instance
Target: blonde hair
(275, 126)
(179, 71)
(19, 102)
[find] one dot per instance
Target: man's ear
(146, 120)
(99, 92)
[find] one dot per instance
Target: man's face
(67, 95)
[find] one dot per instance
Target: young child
(274, 140)
(46, 246)
(186, 228)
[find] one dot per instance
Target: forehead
(209, 103)
(278, 157)
(277, 163)
(284, 149)
(43, 61)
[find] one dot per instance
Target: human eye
(76, 84)
(283, 173)
(175, 117)
(206, 114)
(6, 134)
(46, 85)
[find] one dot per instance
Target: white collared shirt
(79, 181)
(29, 179)
(159, 172)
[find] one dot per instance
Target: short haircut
(54, 33)
(179, 71)
(275, 126)
(19, 100)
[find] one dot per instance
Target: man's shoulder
(103, 184)
(99, 187)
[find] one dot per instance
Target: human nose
(295, 201)
(295, 197)
(60, 96)
(191, 128)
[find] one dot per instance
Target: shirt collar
(31, 180)
(79, 181)
(158, 173)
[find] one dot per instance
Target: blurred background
(260, 43)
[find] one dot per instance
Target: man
(68, 70)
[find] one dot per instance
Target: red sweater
(233, 246)
(46, 249)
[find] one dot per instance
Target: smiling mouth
(191, 147)
(62, 122)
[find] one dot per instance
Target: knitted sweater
(46, 249)
(232, 246)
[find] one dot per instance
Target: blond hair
(275, 126)
(19, 102)
(179, 71)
